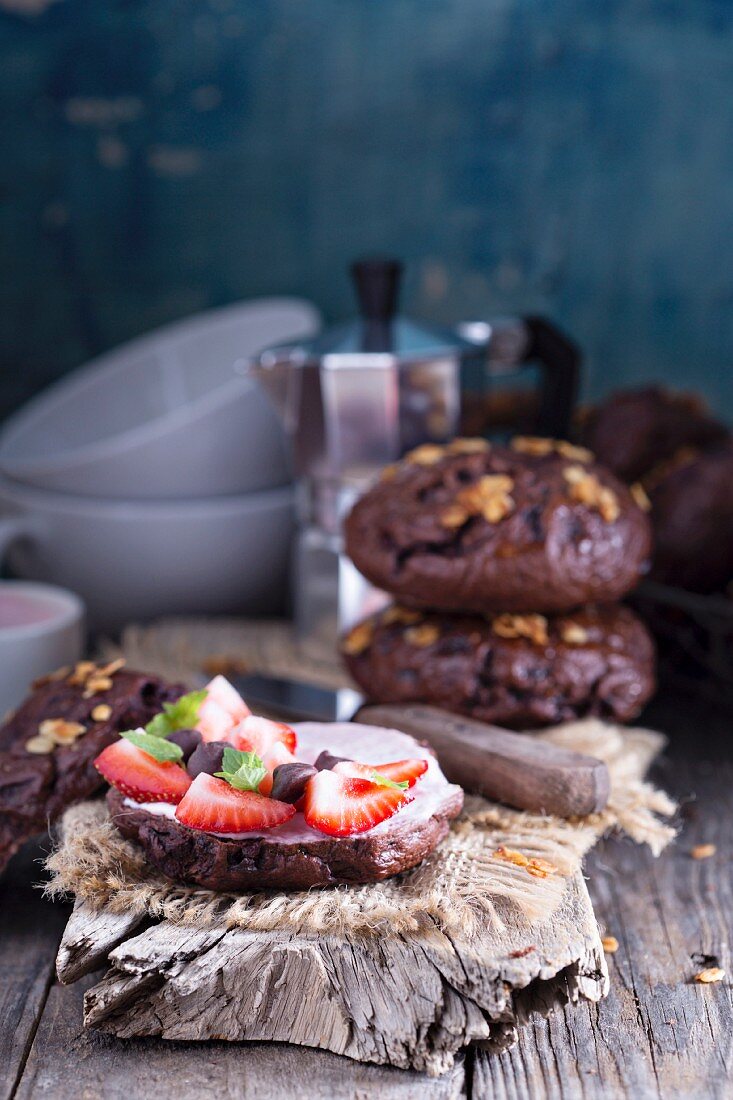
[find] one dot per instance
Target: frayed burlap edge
(462, 887)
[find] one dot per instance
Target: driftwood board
(411, 1002)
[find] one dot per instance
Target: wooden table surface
(658, 1034)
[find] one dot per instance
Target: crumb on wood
(710, 974)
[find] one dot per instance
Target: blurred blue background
(573, 158)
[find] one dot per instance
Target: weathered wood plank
(67, 1063)
(659, 1035)
(30, 930)
(643, 1042)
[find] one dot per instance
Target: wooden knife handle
(513, 768)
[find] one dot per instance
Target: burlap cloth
(493, 854)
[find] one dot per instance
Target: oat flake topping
(489, 497)
(398, 614)
(574, 634)
(423, 635)
(426, 455)
(586, 489)
(533, 627)
(53, 732)
(358, 639)
(538, 446)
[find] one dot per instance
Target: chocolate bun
(534, 527)
(520, 671)
(692, 514)
(293, 856)
(634, 430)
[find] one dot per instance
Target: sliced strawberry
(278, 754)
(354, 769)
(214, 723)
(211, 805)
(221, 710)
(342, 805)
(138, 776)
(399, 771)
(220, 691)
(256, 734)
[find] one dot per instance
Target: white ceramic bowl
(135, 560)
(164, 416)
(51, 635)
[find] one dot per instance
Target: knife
(514, 768)
(296, 700)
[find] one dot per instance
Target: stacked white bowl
(155, 480)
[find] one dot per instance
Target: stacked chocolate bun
(681, 461)
(507, 564)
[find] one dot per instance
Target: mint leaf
(157, 747)
(181, 715)
(242, 770)
(383, 781)
(158, 727)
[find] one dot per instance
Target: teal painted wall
(564, 156)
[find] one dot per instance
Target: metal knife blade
(296, 700)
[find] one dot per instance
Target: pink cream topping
(368, 744)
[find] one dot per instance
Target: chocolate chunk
(207, 757)
(188, 740)
(289, 780)
(326, 761)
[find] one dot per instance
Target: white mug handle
(12, 529)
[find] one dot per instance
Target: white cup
(132, 561)
(41, 629)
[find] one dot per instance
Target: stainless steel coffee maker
(360, 395)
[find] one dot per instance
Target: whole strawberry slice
(398, 771)
(139, 776)
(213, 806)
(255, 734)
(343, 805)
